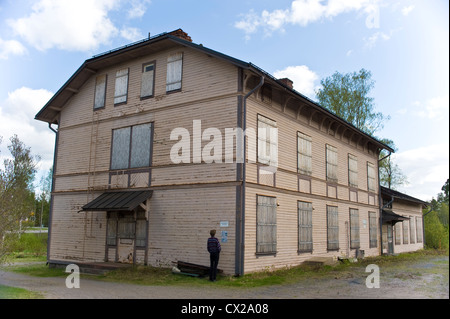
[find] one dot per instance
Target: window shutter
(148, 74)
(332, 228)
(100, 91)
(140, 145)
(266, 225)
(371, 177)
(121, 89)
(120, 148)
(267, 141)
(352, 170)
(373, 229)
(305, 242)
(332, 163)
(354, 229)
(174, 71)
(304, 149)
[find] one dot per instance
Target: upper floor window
(148, 79)
(371, 177)
(352, 170)
(267, 141)
(332, 164)
(131, 146)
(121, 88)
(100, 91)
(304, 154)
(174, 71)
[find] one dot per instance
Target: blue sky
(403, 43)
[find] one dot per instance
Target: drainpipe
(240, 253)
(380, 200)
(423, 224)
(50, 213)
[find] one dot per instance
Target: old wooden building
(402, 222)
(148, 159)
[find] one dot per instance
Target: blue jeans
(214, 259)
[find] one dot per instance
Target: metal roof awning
(390, 216)
(118, 201)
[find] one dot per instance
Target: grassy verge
(146, 275)
(7, 292)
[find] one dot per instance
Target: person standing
(214, 249)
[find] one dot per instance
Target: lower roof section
(118, 201)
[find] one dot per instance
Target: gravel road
(427, 278)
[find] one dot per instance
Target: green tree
(391, 176)
(347, 95)
(16, 191)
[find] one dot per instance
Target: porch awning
(118, 201)
(390, 216)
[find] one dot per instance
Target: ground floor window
(305, 241)
(354, 228)
(266, 225)
(332, 228)
(373, 230)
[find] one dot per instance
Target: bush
(436, 235)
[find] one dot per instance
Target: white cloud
(11, 47)
(407, 10)
(301, 12)
(131, 34)
(17, 117)
(436, 108)
(138, 8)
(427, 169)
(80, 25)
(374, 38)
(304, 79)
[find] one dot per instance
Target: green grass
(155, 276)
(7, 292)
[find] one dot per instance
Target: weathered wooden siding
(410, 210)
(289, 187)
(188, 200)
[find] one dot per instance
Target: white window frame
(304, 154)
(174, 72)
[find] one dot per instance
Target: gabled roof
(396, 194)
(50, 111)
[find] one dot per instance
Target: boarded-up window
(405, 232)
(332, 163)
(174, 71)
(111, 236)
(121, 89)
(332, 228)
(141, 232)
(140, 145)
(352, 170)
(371, 186)
(120, 148)
(131, 146)
(126, 226)
(305, 242)
(398, 233)
(266, 225)
(148, 79)
(304, 156)
(100, 91)
(419, 229)
(373, 229)
(412, 230)
(267, 141)
(354, 228)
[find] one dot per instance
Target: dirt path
(421, 279)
